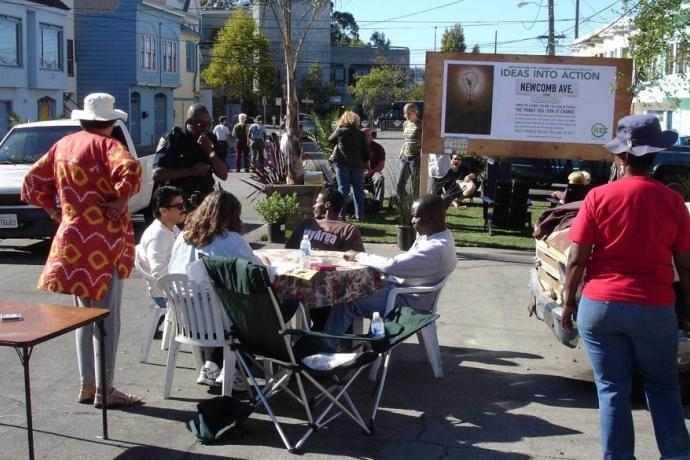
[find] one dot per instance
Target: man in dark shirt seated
(458, 183)
(325, 230)
(373, 173)
(188, 157)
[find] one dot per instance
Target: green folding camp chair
(259, 331)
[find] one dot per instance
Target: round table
(349, 281)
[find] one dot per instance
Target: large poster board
(527, 102)
(523, 105)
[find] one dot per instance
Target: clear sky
(411, 23)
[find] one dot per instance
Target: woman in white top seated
(215, 229)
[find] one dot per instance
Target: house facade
(612, 40)
(137, 51)
(36, 60)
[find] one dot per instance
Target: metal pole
(495, 41)
(552, 39)
(435, 38)
(577, 18)
(25, 356)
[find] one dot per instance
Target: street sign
(306, 100)
(263, 101)
(279, 102)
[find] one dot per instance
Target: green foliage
(314, 89)
(239, 59)
(323, 127)
(413, 93)
(475, 49)
(659, 23)
(466, 225)
(376, 91)
(15, 119)
(379, 40)
(453, 39)
(344, 28)
(277, 208)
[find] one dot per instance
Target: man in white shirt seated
(155, 247)
(430, 259)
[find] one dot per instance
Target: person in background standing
(239, 132)
(93, 176)
(410, 152)
(257, 137)
(187, 158)
(350, 156)
(373, 174)
(625, 237)
(222, 133)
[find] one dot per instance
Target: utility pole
(577, 18)
(551, 48)
(495, 41)
(435, 38)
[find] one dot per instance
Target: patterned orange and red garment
(84, 170)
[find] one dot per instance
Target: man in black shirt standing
(188, 157)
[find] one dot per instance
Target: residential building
(36, 60)
(350, 62)
(612, 40)
(132, 49)
(340, 64)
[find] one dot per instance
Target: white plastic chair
(197, 320)
(153, 315)
(428, 337)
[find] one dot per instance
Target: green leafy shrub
(277, 208)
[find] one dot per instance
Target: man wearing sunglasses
(188, 157)
(155, 247)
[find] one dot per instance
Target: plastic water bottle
(304, 251)
(377, 329)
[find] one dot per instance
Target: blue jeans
(408, 167)
(347, 177)
(618, 338)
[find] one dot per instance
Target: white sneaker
(238, 383)
(208, 374)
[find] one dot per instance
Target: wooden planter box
(306, 197)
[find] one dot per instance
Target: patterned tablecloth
(347, 282)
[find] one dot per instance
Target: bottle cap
(375, 315)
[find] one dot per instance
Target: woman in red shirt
(626, 235)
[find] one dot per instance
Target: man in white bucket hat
(93, 176)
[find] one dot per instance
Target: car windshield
(26, 145)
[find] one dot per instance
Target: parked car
(26, 143)
(670, 166)
(394, 117)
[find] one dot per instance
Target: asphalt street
(509, 390)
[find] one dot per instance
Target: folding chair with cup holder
(259, 331)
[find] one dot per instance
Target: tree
(292, 41)
(314, 89)
(383, 85)
(415, 93)
(659, 23)
(241, 66)
(379, 40)
(344, 28)
(475, 48)
(453, 39)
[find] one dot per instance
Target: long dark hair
(217, 214)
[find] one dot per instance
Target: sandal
(86, 395)
(117, 398)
